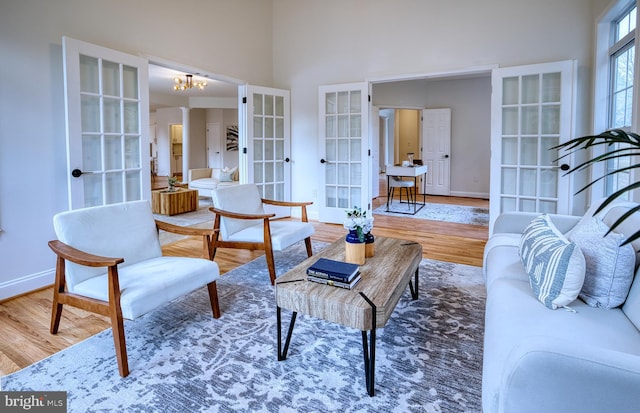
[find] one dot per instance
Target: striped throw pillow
(556, 267)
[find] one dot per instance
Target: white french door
(344, 145)
(436, 148)
(531, 111)
(265, 137)
(107, 122)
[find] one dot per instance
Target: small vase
(354, 248)
(369, 245)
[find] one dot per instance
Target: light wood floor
(24, 321)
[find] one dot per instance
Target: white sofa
(207, 179)
(581, 359)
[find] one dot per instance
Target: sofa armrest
(199, 173)
(545, 375)
(516, 222)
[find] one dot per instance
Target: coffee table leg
(282, 353)
(413, 286)
(369, 351)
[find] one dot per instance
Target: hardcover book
(333, 283)
(334, 270)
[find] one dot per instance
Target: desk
(409, 171)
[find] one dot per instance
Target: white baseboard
(480, 195)
(27, 284)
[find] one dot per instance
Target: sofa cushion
(555, 266)
(609, 266)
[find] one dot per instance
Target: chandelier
(188, 83)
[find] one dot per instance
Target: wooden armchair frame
(265, 245)
(112, 308)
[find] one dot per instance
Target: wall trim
(481, 195)
(27, 283)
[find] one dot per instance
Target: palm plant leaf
(623, 145)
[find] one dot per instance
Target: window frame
(606, 50)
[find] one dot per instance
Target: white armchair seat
(149, 284)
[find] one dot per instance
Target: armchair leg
(117, 327)
(271, 264)
(307, 242)
(213, 297)
(56, 313)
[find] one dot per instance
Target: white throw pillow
(556, 267)
(609, 266)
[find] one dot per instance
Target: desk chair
(398, 182)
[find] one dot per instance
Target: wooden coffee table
(174, 202)
(365, 307)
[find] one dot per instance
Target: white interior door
(374, 144)
(531, 111)
(214, 145)
(265, 137)
(107, 122)
(436, 150)
(344, 146)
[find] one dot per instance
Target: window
(622, 58)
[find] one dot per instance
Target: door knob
(286, 159)
(322, 161)
(564, 167)
(446, 156)
(77, 173)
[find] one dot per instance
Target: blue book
(334, 270)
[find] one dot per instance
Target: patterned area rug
(428, 356)
(200, 218)
(438, 212)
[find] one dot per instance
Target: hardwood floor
(24, 320)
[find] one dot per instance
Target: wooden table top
(384, 279)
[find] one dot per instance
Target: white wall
(231, 38)
(320, 43)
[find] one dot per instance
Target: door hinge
(369, 98)
(369, 152)
(244, 99)
(369, 206)
(244, 150)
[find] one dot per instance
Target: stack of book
(336, 273)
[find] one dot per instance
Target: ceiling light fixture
(188, 83)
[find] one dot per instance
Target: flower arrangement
(172, 180)
(358, 221)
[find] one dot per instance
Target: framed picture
(232, 138)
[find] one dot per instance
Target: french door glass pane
(510, 121)
(279, 106)
(112, 152)
(331, 173)
(258, 175)
(268, 128)
(530, 89)
(529, 120)
(258, 131)
(110, 78)
(331, 103)
(279, 128)
(92, 189)
(510, 91)
(257, 149)
(131, 118)
(132, 152)
(133, 189)
(527, 205)
(331, 150)
(507, 204)
(529, 151)
(528, 180)
(551, 87)
(509, 181)
(268, 105)
(549, 183)
(130, 82)
(90, 113)
(111, 116)
(548, 207)
(257, 104)
(550, 120)
(548, 156)
(89, 75)
(331, 197)
(91, 153)
(509, 151)
(113, 186)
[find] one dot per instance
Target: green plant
(618, 144)
(172, 180)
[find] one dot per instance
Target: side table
(174, 202)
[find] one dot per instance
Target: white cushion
(204, 183)
(609, 266)
(149, 284)
(555, 266)
(243, 199)
(283, 233)
(126, 230)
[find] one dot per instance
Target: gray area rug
(200, 218)
(438, 212)
(428, 356)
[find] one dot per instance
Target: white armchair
(243, 223)
(109, 261)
